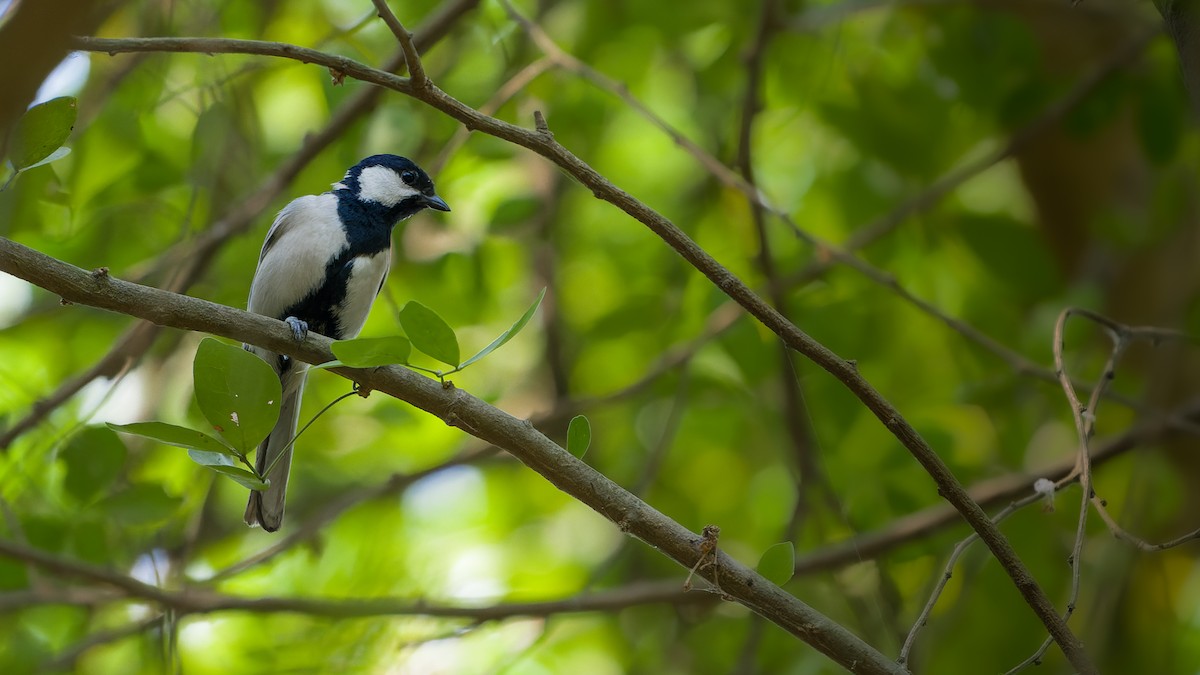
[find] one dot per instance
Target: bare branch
(416, 72)
(948, 485)
(458, 408)
(929, 521)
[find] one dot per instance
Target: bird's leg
(299, 328)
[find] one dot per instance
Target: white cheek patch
(382, 185)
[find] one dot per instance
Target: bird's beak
(436, 202)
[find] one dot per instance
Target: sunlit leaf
(41, 130)
(429, 333)
(778, 563)
(579, 436)
(52, 157)
(174, 435)
(508, 334)
(94, 458)
(238, 393)
(371, 352)
(210, 458)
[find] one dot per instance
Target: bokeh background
(998, 160)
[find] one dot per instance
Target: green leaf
(238, 393)
(508, 334)
(140, 504)
(210, 458)
(328, 364)
(778, 563)
(579, 436)
(429, 333)
(175, 435)
(241, 476)
(54, 156)
(94, 458)
(41, 130)
(371, 352)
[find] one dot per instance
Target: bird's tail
(266, 506)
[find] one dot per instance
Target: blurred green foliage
(863, 107)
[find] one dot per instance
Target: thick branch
(544, 144)
(460, 409)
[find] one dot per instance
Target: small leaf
(508, 334)
(94, 458)
(41, 130)
(371, 352)
(174, 435)
(238, 393)
(327, 365)
(429, 333)
(579, 436)
(210, 458)
(778, 563)
(140, 504)
(241, 476)
(54, 156)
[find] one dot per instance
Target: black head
(393, 185)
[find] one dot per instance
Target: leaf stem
(263, 476)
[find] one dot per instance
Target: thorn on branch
(539, 123)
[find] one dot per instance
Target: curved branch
(460, 409)
(542, 142)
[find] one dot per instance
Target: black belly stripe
(319, 308)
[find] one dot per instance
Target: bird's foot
(299, 328)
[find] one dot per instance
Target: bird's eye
(408, 176)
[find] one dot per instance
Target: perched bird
(323, 262)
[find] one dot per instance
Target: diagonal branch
(457, 408)
(416, 71)
(543, 143)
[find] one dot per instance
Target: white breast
(365, 278)
(305, 234)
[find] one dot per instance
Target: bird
(323, 262)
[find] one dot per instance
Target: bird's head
(394, 186)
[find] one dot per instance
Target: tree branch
(846, 372)
(191, 259)
(203, 601)
(416, 71)
(457, 408)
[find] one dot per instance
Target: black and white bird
(323, 262)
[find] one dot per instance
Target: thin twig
(948, 485)
(490, 424)
(1084, 416)
(196, 601)
(416, 72)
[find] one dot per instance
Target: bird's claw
(299, 328)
